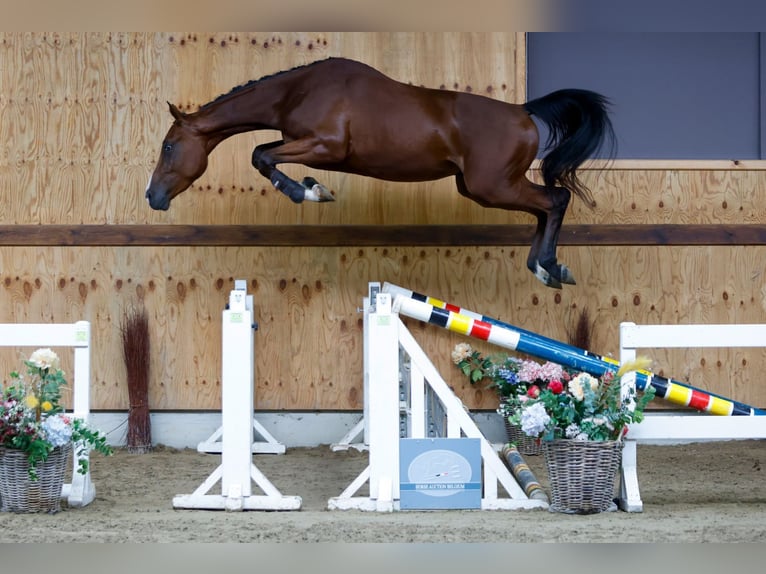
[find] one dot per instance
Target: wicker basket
(582, 474)
(20, 494)
(524, 443)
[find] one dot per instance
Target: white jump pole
(237, 471)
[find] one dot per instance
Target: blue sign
(439, 473)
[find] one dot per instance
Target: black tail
(579, 127)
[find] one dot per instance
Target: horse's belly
(408, 169)
(421, 157)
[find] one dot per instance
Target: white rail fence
(688, 426)
(81, 491)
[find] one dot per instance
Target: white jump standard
(81, 490)
(237, 472)
(408, 399)
(686, 426)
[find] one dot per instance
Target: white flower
(577, 385)
(572, 431)
(628, 391)
(599, 420)
(58, 429)
(45, 359)
(534, 419)
(461, 352)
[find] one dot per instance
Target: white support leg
(237, 397)
(269, 444)
(630, 497)
(347, 440)
(361, 429)
(81, 491)
(417, 403)
(384, 398)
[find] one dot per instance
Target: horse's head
(183, 159)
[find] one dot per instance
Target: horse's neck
(250, 109)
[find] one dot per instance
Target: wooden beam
(372, 235)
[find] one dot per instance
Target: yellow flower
(637, 364)
(46, 406)
(31, 401)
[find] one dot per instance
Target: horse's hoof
(566, 275)
(290, 188)
(546, 278)
(315, 191)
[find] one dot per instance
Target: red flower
(556, 387)
(533, 391)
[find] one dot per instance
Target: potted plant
(514, 380)
(37, 436)
(582, 425)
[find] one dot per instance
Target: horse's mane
(251, 83)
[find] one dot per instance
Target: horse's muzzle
(158, 201)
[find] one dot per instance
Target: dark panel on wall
(674, 95)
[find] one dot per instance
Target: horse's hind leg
(547, 268)
(266, 164)
(540, 270)
(534, 252)
(548, 206)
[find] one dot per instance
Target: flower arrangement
(587, 408)
(515, 380)
(32, 419)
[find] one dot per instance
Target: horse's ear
(175, 112)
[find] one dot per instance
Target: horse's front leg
(265, 161)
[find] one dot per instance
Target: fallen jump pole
(523, 474)
(470, 323)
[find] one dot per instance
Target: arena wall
(82, 116)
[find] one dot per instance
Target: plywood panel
(309, 341)
(689, 196)
(82, 117)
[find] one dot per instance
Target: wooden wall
(81, 120)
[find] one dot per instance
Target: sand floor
(705, 492)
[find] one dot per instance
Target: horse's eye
(167, 148)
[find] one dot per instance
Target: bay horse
(341, 115)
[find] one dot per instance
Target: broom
(134, 330)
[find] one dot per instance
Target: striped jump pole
(470, 323)
(523, 474)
